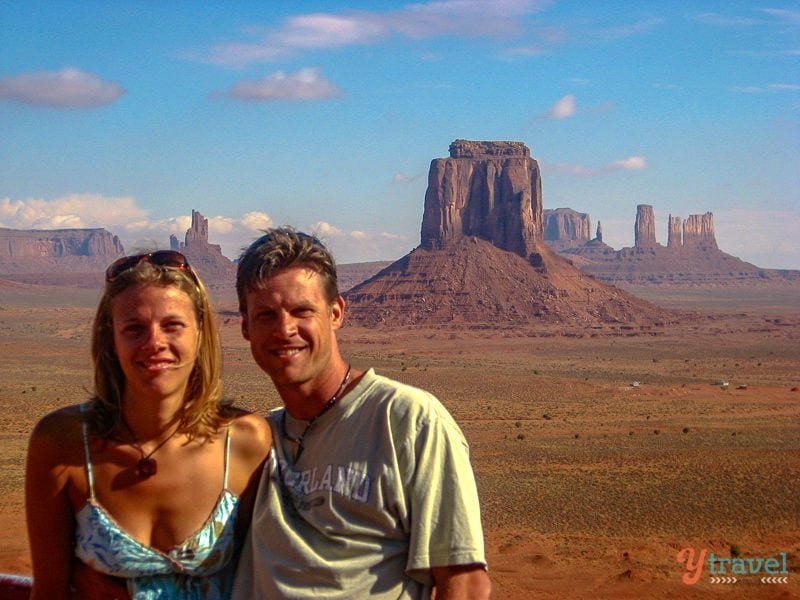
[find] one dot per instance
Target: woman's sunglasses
(161, 258)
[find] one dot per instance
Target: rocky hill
(482, 257)
(690, 258)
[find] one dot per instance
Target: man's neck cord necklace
(328, 405)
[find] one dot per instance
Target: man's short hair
(280, 248)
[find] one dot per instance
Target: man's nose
(286, 325)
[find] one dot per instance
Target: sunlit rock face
(490, 190)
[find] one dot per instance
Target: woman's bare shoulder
(59, 425)
(57, 439)
(250, 431)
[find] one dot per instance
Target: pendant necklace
(328, 405)
(147, 465)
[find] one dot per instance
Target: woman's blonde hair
(202, 412)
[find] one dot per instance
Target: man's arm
(461, 582)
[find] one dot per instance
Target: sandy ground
(600, 453)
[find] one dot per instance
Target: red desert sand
(602, 454)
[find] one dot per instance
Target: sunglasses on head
(161, 258)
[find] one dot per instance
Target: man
(369, 492)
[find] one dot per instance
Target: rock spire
(644, 231)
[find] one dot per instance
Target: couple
(147, 490)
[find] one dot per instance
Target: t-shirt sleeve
(445, 518)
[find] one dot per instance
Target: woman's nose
(156, 339)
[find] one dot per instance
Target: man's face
(291, 328)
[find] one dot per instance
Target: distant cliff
(566, 228)
(56, 243)
(491, 190)
(57, 256)
(691, 256)
(79, 257)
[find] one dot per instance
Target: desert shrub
(735, 550)
(656, 431)
(685, 430)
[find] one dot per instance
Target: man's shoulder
(386, 388)
(402, 399)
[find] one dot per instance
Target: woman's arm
(49, 512)
(250, 445)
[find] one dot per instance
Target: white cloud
(418, 20)
(522, 52)
(67, 88)
(360, 246)
(761, 89)
(305, 84)
(633, 163)
(73, 210)
(323, 229)
(403, 178)
(720, 20)
(563, 109)
(625, 31)
(787, 16)
(256, 221)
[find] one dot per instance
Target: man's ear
(245, 329)
(337, 312)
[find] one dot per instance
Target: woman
(137, 491)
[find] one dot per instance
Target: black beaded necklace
(328, 405)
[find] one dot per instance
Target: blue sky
(325, 115)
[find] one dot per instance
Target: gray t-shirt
(382, 492)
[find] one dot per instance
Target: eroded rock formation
(566, 228)
(57, 256)
(491, 190)
(674, 233)
(644, 230)
(482, 258)
(57, 243)
(698, 232)
(207, 259)
(691, 257)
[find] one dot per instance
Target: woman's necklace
(147, 465)
(328, 405)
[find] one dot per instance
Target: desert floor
(600, 453)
